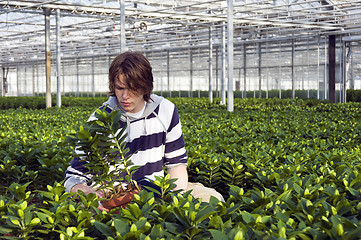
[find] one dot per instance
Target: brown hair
(137, 73)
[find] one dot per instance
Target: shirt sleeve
(76, 173)
(175, 152)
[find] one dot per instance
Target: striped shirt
(155, 139)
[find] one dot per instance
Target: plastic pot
(120, 201)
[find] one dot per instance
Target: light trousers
(200, 191)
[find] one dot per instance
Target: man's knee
(202, 192)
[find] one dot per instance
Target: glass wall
(260, 69)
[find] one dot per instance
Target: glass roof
(92, 27)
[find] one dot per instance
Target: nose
(125, 93)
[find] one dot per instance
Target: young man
(154, 134)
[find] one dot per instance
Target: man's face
(129, 100)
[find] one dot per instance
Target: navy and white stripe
(155, 141)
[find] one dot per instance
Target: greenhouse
(254, 47)
(236, 119)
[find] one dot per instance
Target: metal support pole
(267, 81)
(238, 83)
(293, 69)
(245, 70)
(210, 68)
(25, 89)
(47, 57)
(63, 80)
(279, 84)
(331, 67)
(325, 74)
(58, 60)
(259, 70)
(223, 61)
(341, 71)
(344, 71)
(37, 79)
(33, 90)
(352, 80)
(217, 93)
(318, 68)
(17, 82)
(5, 81)
(93, 77)
(123, 46)
(308, 68)
(168, 73)
(267, 72)
(190, 94)
(77, 78)
(2, 81)
(230, 106)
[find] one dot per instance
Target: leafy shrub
(288, 169)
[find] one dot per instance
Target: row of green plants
(274, 93)
(352, 95)
(38, 102)
(288, 169)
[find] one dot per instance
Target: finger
(100, 194)
(101, 208)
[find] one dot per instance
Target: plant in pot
(101, 145)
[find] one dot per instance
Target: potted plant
(103, 149)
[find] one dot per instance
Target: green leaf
(282, 216)
(157, 232)
(247, 217)
(83, 134)
(205, 213)
(216, 222)
(135, 210)
(174, 228)
(103, 228)
(184, 220)
(216, 234)
(4, 230)
(141, 223)
(121, 226)
(28, 217)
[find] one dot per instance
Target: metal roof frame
(90, 27)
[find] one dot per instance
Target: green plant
(288, 169)
(103, 149)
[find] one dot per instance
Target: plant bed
(287, 169)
